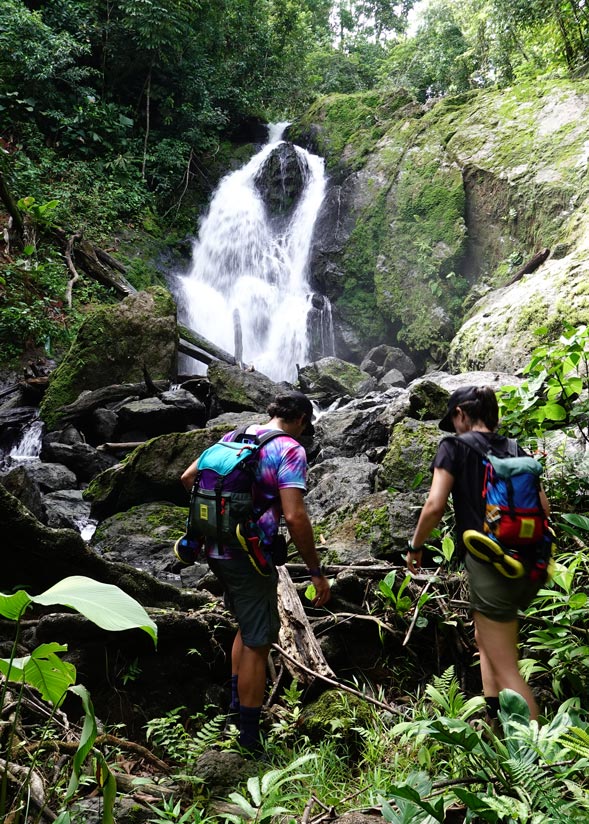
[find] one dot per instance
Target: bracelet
(316, 573)
(413, 549)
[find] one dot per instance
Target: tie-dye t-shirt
(282, 464)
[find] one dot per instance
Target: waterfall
(29, 446)
(249, 268)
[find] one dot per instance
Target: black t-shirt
(468, 470)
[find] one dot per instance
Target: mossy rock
(150, 473)
(344, 714)
(412, 447)
(114, 345)
(157, 520)
(238, 390)
(332, 376)
(428, 400)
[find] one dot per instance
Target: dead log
(530, 266)
(126, 446)
(85, 256)
(215, 352)
(194, 352)
(296, 636)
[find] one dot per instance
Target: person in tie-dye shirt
(280, 484)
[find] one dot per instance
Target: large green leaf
(44, 670)
(104, 604)
(13, 606)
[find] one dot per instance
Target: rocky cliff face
(433, 210)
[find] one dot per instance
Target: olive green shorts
(251, 598)
(495, 596)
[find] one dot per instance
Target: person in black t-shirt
(494, 599)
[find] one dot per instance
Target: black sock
(234, 705)
(249, 727)
(492, 702)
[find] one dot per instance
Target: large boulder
(143, 537)
(411, 449)
(237, 390)
(35, 556)
(115, 344)
(429, 207)
(339, 482)
(150, 473)
(352, 430)
(329, 378)
(281, 178)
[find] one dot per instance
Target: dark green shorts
(495, 596)
(251, 598)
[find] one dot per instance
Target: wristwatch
(317, 572)
(412, 548)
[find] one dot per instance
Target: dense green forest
(119, 116)
(117, 119)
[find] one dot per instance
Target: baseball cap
(460, 395)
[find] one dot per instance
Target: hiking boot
(187, 550)
(485, 548)
(252, 548)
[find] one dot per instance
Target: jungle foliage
(123, 115)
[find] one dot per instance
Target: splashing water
(243, 262)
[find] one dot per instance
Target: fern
(576, 740)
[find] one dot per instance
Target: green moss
(370, 519)
(113, 345)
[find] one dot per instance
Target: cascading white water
(243, 261)
(29, 446)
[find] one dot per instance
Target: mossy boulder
(438, 200)
(345, 714)
(501, 332)
(331, 377)
(237, 390)
(114, 345)
(150, 473)
(411, 449)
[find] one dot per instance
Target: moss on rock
(411, 449)
(150, 473)
(113, 345)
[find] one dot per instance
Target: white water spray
(29, 446)
(243, 263)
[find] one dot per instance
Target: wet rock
(66, 509)
(20, 482)
(85, 461)
(281, 179)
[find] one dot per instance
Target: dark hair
(291, 405)
(483, 407)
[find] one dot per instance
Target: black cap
(461, 395)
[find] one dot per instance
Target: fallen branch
(337, 684)
(74, 275)
(113, 740)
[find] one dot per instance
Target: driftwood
(238, 336)
(96, 263)
(530, 266)
(214, 352)
(195, 352)
(296, 636)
